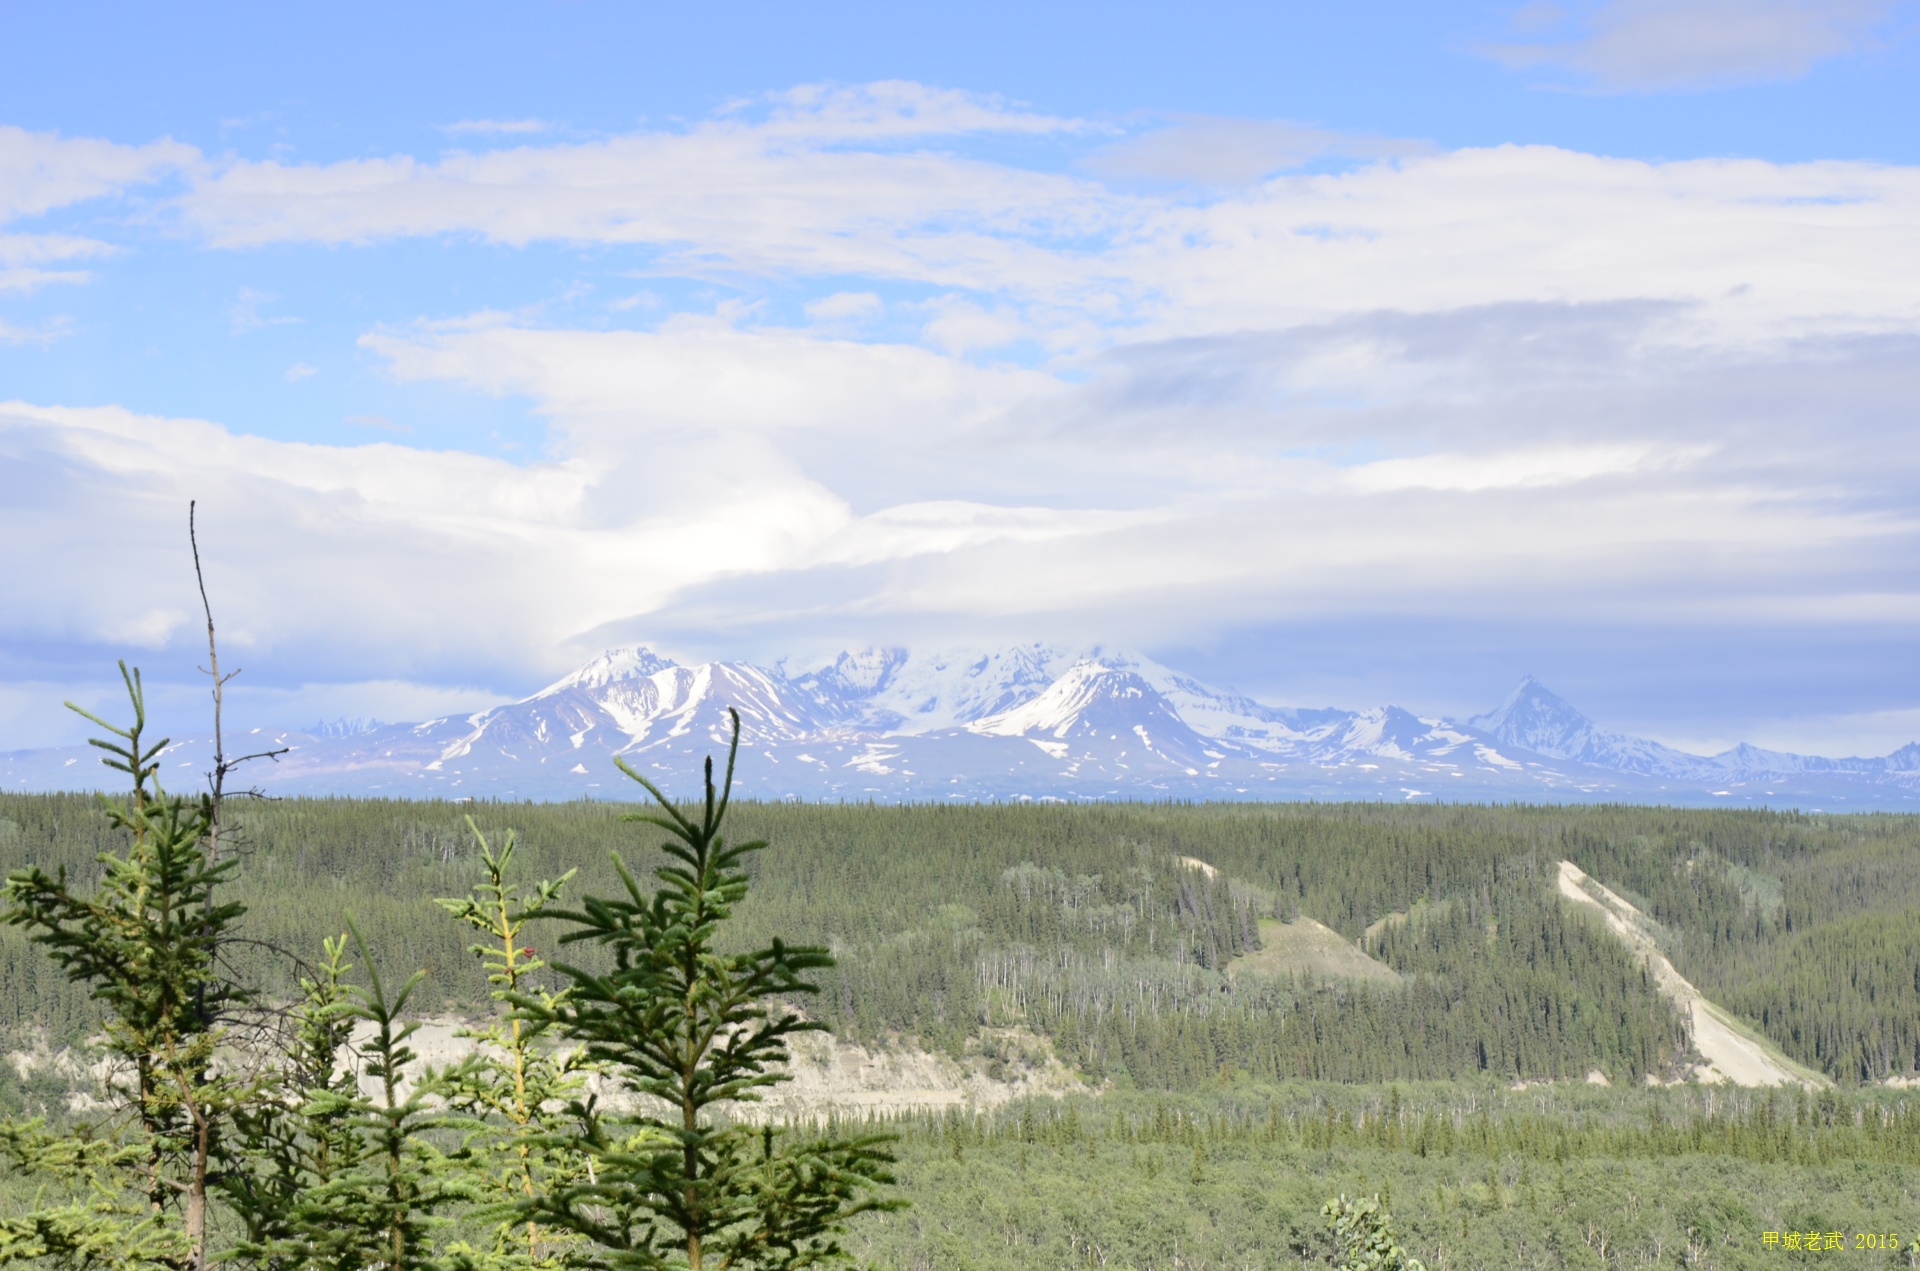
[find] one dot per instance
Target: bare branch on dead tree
(217, 779)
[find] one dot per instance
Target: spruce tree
(517, 1082)
(694, 1033)
(392, 1161)
(291, 1140)
(147, 943)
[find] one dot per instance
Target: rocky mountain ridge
(1030, 721)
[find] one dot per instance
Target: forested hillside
(1085, 924)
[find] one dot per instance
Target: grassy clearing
(1305, 948)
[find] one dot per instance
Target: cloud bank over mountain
(845, 362)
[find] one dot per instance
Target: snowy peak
(1535, 718)
(629, 662)
(1106, 714)
(1753, 762)
(692, 701)
(1390, 732)
(923, 692)
(631, 699)
(1090, 700)
(1225, 714)
(1022, 721)
(858, 673)
(1090, 704)
(845, 690)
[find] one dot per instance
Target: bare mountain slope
(1734, 1052)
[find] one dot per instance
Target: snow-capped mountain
(1106, 710)
(891, 690)
(1535, 718)
(1025, 721)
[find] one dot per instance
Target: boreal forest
(1456, 1043)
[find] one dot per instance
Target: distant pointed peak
(1530, 691)
(1532, 686)
(1536, 718)
(626, 662)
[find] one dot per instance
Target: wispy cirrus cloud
(1210, 150)
(44, 333)
(498, 127)
(1518, 469)
(1666, 45)
(803, 182)
(245, 313)
(818, 187)
(42, 171)
(23, 258)
(896, 109)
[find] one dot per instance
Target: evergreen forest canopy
(1084, 924)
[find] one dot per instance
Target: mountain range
(1031, 721)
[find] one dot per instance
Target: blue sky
(1343, 353)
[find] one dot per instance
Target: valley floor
(1475, 1177)
(1012, 1208)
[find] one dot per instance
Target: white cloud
(245, 316)
(899, 108)
(45, 333)
(1211, 150)
(959, 325)
(1756, 249)
(509, 127)
(40, 171)
(611, 391)
(1656, 45)
(843, 306)
(367, 551)
(705, 476)
(43, 171)
(21, 256)
(820, 190)
(1516, 469)
(790, 191)
(300, 371)
(939, 528)
(1498, 382)
(147, 629)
